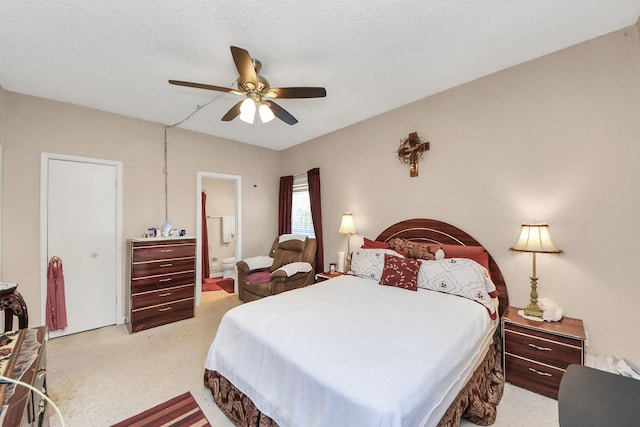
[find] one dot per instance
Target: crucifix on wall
(411, 150)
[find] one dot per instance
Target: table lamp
(535, 238)
(347, 227)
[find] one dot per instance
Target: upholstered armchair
(289, 265)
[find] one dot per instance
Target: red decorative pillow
(400, 272)
(476, 253)
(374, 244)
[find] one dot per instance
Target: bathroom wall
(221, 201)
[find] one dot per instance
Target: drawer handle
(544, 374)
(165, 280)
(539, 348)
(166, 250)
(166, 265)
(169, 308)
(41, 373)
(165, 294)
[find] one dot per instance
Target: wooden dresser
(536, 354)
(28, 364)
(162, 278)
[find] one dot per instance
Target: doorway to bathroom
(221, 217)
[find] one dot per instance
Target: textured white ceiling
(371, 55)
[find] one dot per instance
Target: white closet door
(81, 227)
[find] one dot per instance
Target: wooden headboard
(434, 231)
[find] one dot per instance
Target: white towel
(228, 228)
(285, 237)
(260, 261)
(296, 267)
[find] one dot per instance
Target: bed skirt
(476, 402)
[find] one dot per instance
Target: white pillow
(458, 276)
(296, 267)
(369, 263)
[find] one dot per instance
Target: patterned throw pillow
(400, 272)
(369, 262)
(458, 276)
(420, 250)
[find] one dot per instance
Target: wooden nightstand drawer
(538, 377)
(546, 350)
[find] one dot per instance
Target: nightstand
(321, 277)
(536, 354)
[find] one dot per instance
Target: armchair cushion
(258, 277)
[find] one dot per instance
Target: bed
(348, 351)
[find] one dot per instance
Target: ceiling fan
(259, 95)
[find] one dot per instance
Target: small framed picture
(332, 268)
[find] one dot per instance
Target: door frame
(44, 214)
(238, 181)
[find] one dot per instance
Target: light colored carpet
(101, 377)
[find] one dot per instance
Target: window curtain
(284, 206)
(206, 269)
(313, 178)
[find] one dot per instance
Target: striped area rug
(181, 411)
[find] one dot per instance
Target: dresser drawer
(537, 377)
(548, 349)
(152, 283)
(162, 296)
(161, 314)
(153, 252)
(154, 268)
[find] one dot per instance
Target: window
(301, 222)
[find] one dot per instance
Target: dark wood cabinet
(161, 281)
(536, 354)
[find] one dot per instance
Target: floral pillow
(459, 276)
(369, 262)
(400, 272)
(420, 250)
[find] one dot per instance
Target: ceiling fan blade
(299, 92)
(282, 114)
(204, 86)
(244, 65)
(232, 113)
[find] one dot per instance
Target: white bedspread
(350, 352)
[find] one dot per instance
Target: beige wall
(32, 125)
(556, 139)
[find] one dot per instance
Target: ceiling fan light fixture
(266, 115)
(248, 110)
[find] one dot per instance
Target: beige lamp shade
(535, 238)
(346, 226)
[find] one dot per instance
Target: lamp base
(533, 310)
(537, 319)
